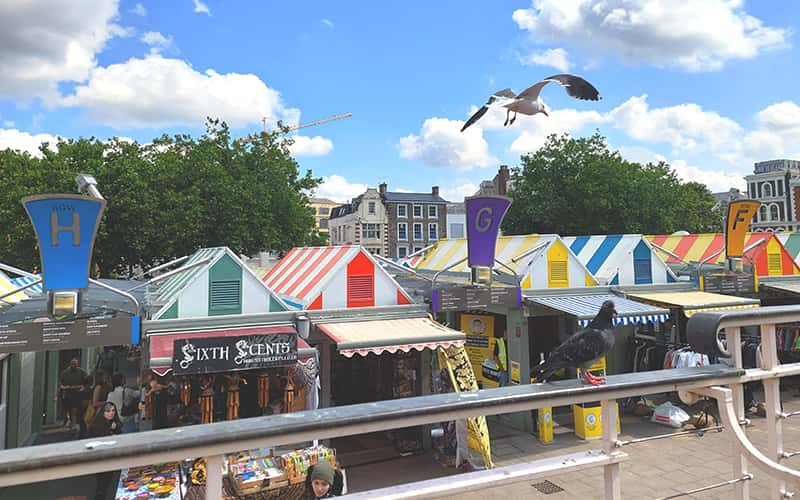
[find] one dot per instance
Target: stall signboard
(480, 344)
(48, 335)
(476, 297)
(729, 283)
(484, 215)
(65, 227)
(223, 354)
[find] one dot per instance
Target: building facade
(415, 220)
(776, 184)
(322, 211)
(363, 222)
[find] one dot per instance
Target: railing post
(772, 400)
(214, 477)
(741, 491)
(611, 473)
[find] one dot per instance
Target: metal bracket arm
(724, 397)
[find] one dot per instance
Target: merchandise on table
(257, 471)
(152, 481)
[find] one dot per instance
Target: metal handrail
(45, 462)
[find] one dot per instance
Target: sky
(709, 86)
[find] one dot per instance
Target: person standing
(71, 386)
(126, 400)
(501, 359)
(106, 422)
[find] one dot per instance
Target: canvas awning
(585, 308)
(792, 288)
(695, 302)
(390, 335)
(161, 344)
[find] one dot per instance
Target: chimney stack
(502, 180)
(382, 188)
(435, 190)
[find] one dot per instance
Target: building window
(433, 231)
(417, 211)
(371, 208)
(780, 188)
(433, 212)
(767, 190)
(323, 223)
(324, 210)
(752, 190)
(417, 231)
(402, 251)
(773, 213)
(402, 231)
(402, 211)
(456, 230)
(370, 231)
(418, 249)
(762, 213)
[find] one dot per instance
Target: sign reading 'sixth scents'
(222, 354)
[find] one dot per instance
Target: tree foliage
(168, 198)
(579, 187)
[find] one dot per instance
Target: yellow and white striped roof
(695, 302)
(528, 255)
(6, 286)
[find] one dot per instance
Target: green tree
(168, 198)
(578, 187)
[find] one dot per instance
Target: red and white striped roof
(305, 272)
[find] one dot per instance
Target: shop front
(227, 371)
(380, 358)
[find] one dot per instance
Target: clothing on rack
(655, 355)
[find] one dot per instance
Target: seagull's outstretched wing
(576, 86)
(503, 95)
(507, 93)
(477, 116)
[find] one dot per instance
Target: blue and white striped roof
(585, 307)
(24, 280)
(620, 259)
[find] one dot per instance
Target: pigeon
(528, 102)
(582, 349)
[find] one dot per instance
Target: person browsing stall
(501, 358)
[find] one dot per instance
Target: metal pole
(214, 477)
(611, 472)
(772, 400)
(742, 479)
(741, 490)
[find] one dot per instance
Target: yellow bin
(545, 424)
(588, 423)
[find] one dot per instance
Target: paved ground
(655, 468)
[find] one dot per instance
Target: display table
(152, 481)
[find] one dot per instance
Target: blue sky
(707, 85)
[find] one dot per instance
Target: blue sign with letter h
(65, 225)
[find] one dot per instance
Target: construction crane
(298, 127)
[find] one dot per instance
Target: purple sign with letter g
(484, 215)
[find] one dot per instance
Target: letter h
(55, 229)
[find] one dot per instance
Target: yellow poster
(459, 367)
(740, 212)
(480, 345)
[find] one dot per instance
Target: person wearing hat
(323, 481)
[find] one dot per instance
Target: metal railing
(213, 441)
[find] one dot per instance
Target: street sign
(74, 334)
(475, 297)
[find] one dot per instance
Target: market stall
(620, 259)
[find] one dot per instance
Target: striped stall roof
(304, 271)
(7, 285)
(770, 257)
(695, 302)
(620, 259)
(584, 308)
(791, 241)
(448, 252)
(25, 280)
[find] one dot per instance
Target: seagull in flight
(528, 103)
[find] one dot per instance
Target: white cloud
(43, 42)
(535, 129)
(8, 123)
(201, 8)
(328, 23)
(555, 58)
(716, 180)
(157, 41)
(440, 143)
(24, 141)
(139, 10)
(457, 193)
(657, 32)
(160, 92)
(310, 146)
(338, 189)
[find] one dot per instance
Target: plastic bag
(668, 414)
